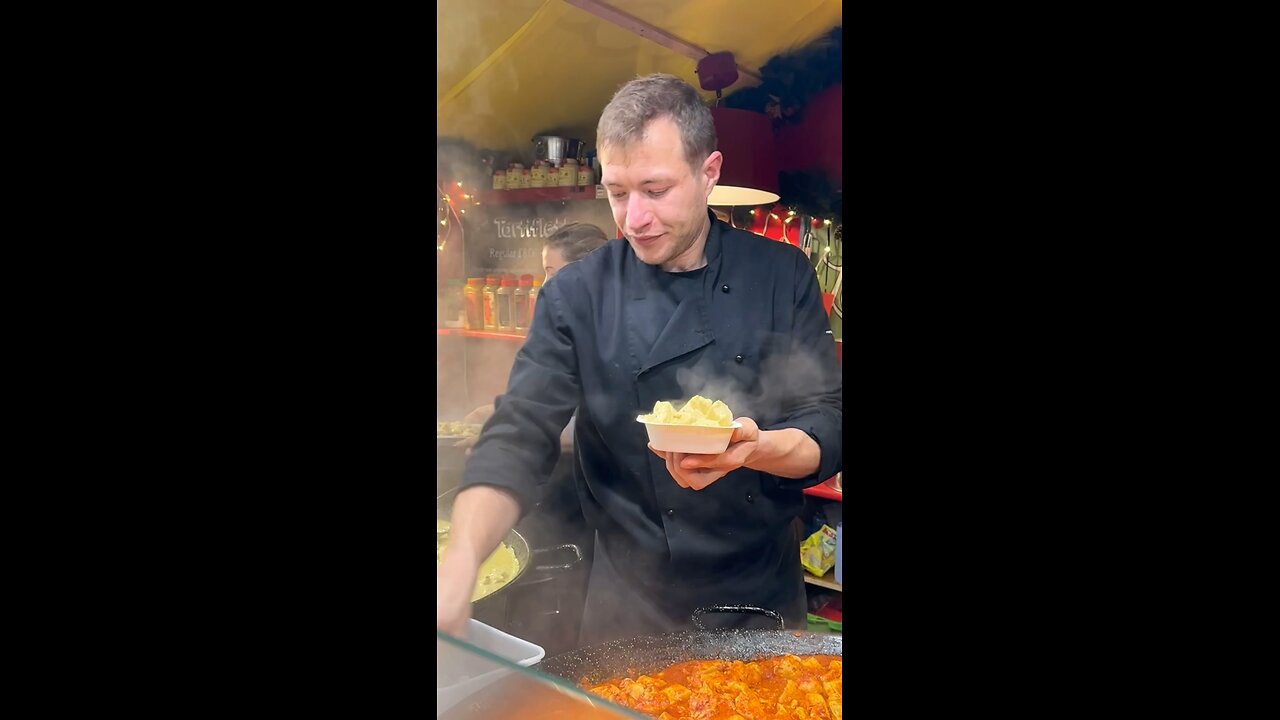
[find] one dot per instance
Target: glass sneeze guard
(472, 683)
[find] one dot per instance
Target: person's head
(570, 244)
(657, 149)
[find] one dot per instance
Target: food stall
(520, 85)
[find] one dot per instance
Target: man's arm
(482, 516)
(516, 451)
(811, 386)
(788, 453)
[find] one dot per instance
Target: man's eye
(617, 196)
(658, 193)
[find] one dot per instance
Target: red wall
(815, 142)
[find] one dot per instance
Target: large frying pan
(650, 654)
(489, 605)
(641, 655)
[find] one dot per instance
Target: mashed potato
(698, 411)
(498, 570)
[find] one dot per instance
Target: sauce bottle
(522, 302)
(506, 304)
(491, 302)
(533, 297)
(474, 303)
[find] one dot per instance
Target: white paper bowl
(689, 438)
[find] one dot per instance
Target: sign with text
(508, 239)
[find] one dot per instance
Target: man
(686, 306)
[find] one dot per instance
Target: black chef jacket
(607, 340)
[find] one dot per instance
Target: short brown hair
(575, 240)
(653, 96)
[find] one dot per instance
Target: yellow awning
(512, 69)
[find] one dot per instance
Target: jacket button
(737, 359)
(724, 288)
(670, 512)
(750, 499)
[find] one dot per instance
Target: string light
(826, 222)
(444, 222)
(791, 212)
(458, 183)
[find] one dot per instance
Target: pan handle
(577, 557)
(743, 609)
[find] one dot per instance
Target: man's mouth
(645, 239)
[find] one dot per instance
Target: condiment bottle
(474, 302)
(506, 304)
(491, 303)
(522, 302)
(533, 297)
(569, 173)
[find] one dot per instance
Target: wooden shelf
(529, 195)
(483, 334)
(827, 581)
(826, 491)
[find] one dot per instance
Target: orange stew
(787, 687)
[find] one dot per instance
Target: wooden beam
(649, 32)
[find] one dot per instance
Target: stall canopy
(511, 69)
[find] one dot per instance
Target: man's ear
(711, 170)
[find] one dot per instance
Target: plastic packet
(818, 551)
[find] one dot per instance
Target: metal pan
(641, 655)
(651, 654)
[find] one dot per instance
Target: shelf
(529, 195)
(827, 581)
(484, 334)
(826, 491)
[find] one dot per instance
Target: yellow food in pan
(497, 570)
(456, 429)
(698, 411)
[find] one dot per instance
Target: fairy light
(826, 222)
(773, 215)
(791, 212)
(444, 222)
(458, 183)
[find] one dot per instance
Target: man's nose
(639, 211)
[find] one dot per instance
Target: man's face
(658, 201)
(552, 261)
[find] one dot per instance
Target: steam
(791, 368)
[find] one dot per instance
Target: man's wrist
(767, 448)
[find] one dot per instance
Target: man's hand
(479, 416)
(695, 472)
(454, 587)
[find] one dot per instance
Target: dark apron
(618, 608)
